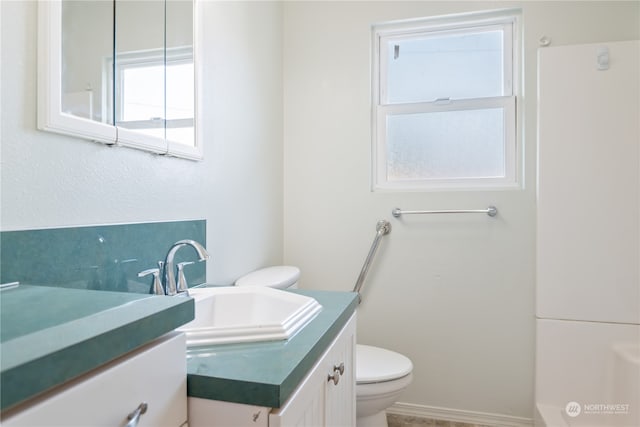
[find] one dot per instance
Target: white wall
(49, 180)
(454, 293)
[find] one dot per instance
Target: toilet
(381, 374)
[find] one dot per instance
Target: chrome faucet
(168, 268)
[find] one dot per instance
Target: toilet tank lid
(374, 365)
(280, 276)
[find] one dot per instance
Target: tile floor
(407, 421)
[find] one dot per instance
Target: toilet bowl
(381, 374)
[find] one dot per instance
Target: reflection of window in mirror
(141, 106)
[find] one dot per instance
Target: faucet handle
(182, 281)
(156, 287)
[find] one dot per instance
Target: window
(444, 103)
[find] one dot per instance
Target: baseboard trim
(457, 415)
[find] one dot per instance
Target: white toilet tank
(280, 277)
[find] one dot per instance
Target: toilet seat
(279, 277)
(374, 365)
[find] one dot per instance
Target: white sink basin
(235, 314)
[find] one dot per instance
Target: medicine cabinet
(121, 72)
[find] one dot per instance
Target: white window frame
(508, 21)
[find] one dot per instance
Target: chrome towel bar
(491, 211)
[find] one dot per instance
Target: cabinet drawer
(154, 374)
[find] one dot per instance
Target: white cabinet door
(155, 374)
(318, 401)
(340, 404)
(306, 407)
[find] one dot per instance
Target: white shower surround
(588, 251)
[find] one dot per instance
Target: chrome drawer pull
(134, 417)
(339, 367)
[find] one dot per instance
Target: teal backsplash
(106, 257)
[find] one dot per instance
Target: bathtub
(587, 374)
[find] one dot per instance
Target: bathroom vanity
(308, 380)
(77, 358)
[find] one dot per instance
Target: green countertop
(266, 373)
(49, 335)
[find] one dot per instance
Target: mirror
(86, 40)
(120, 72)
